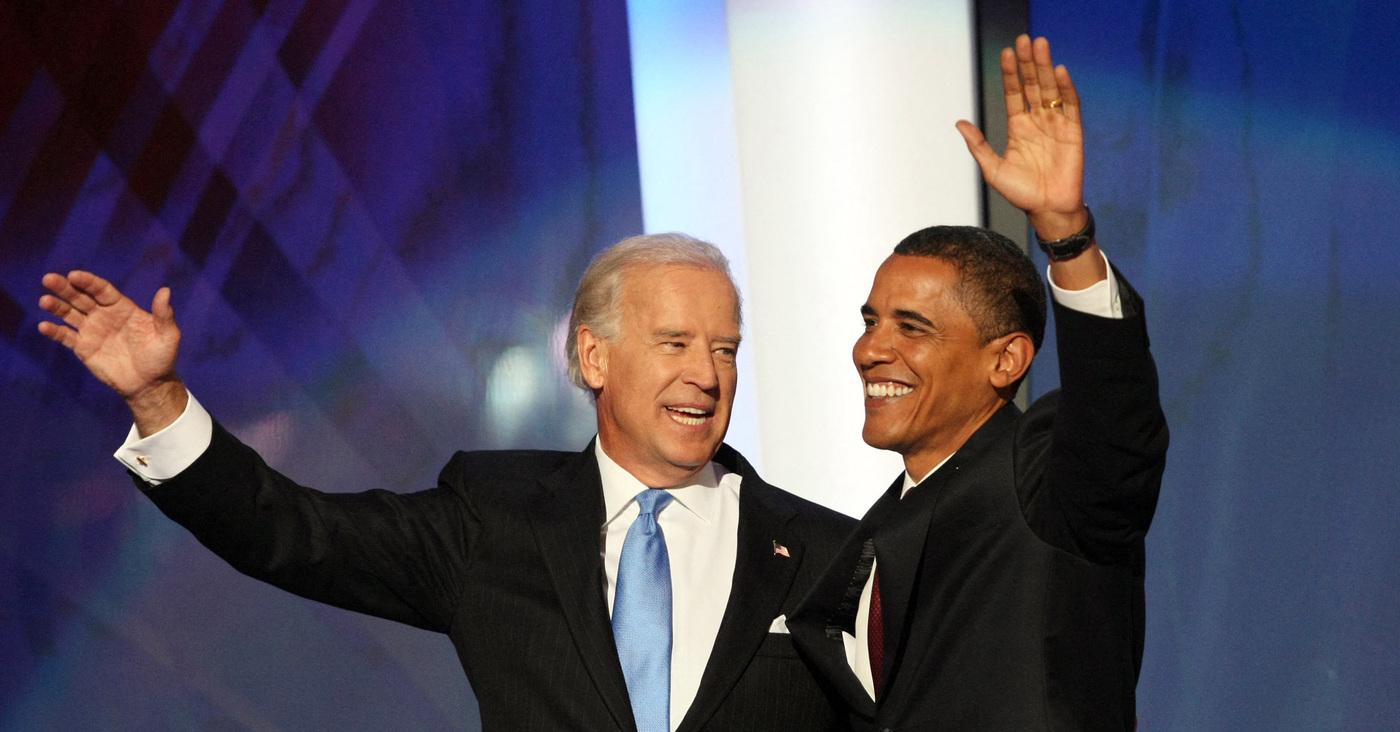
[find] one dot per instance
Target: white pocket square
(779, 625)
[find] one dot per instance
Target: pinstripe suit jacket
(503, 556)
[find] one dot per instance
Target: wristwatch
(1070, 246)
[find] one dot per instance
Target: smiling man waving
(639, 584)
(998, 583)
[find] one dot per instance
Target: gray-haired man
(574, 598)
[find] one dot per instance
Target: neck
(648, 472)
(920, 460)
(918, 466)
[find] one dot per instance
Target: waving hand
(129, 349)
(1042, 172)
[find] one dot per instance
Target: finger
(982, 151)
(1067, 93)
(54, 282)
(102, 291)
(57, 307)
(59, 334)
(1044, 71)
(64, 289)
(1025, 63)
(161, 307)
(1011, 84)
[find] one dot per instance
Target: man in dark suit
(639, 584)
(998, 583)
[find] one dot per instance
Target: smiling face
(665, 383)
(929, 380)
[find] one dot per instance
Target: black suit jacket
(504, 557)
(1012, 578)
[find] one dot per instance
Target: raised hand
(1042, 172)
(128, 349)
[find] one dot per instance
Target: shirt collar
(700, 497)
(909, 481)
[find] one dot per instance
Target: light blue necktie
(641, 617)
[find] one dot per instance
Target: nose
(872, 348)
(700, 371)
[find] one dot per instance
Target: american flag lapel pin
(781, 551)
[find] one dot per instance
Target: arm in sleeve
(394, 556)
(1108, 435)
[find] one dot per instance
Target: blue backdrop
(1243, 162)
(373, 214)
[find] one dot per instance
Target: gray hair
(596, 304)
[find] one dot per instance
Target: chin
(879, 440)
(692, 456)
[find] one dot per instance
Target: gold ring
(1055, 103)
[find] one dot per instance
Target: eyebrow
(913, 315)
(661, 334)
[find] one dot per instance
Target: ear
(592, 357)
(1014, 353)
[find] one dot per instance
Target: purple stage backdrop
(372, 216)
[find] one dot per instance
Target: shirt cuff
(1100, 298)
(161, 456)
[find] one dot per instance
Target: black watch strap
(1070, 246)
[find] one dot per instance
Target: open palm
(127, 348)
(1042, 172)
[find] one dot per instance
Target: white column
(688, 154)
(806, 139)
(845, 115)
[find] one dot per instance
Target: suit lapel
(899, 544)
(900, 530)
(900, 537)
(762, 577)
(568, 530)
(830, 609)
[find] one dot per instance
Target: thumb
(977, 144)
(161, 307)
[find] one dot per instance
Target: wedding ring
(1055, 103)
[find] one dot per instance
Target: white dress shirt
(701, 527)
(702, 535)
(1101, 299)
(163, 455)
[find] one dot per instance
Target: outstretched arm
(398, 557)
(1042, 172)
(130, 350)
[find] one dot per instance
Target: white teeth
(886, 390)
(680, 415)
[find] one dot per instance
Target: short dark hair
(998, 284)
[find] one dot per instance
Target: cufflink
(142, 461)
